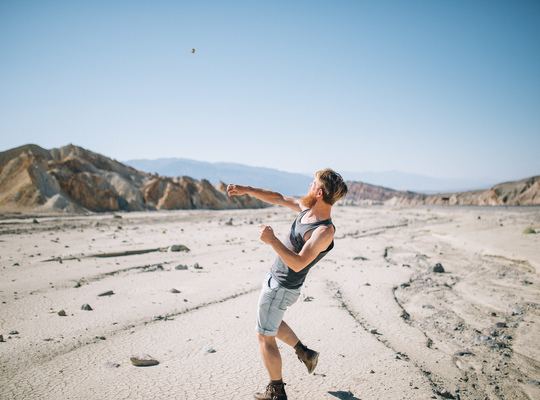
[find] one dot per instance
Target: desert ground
(387, 325)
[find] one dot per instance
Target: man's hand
(267, 234)
(236, 190)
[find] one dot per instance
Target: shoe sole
(314, 365)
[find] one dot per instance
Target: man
(310, 239)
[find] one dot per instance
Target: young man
(310, 239)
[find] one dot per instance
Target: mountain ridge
(75, 180)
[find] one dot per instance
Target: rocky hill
(521, 193)
(73, 179)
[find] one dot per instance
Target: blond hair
(332, 185)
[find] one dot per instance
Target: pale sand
(491, 270)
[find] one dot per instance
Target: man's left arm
(319, 241)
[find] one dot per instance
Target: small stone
(14, 333)
(177, 247)
(463, 353)
(110, 364)
(396, 356)
(143, 360)
(209, 350)
(108, 293)
(308, 299)
(517, 311)
(181, 267)
(15, 265)
(62, 313)
(438, 268)
(2, 338)
(500, 324)
(86, 307)
(197, 266)
(101, 337)
(173, 290)
(373, 331)
(35, 221)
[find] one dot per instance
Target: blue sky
(448, 89)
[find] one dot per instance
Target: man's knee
(265, 339)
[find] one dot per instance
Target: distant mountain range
(76, 180)
(293, 184)
(289, 184)
(418, 183)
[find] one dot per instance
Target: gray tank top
(285, 276)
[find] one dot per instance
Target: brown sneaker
(308, 357)
(273, 392)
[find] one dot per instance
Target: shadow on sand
(340, 394)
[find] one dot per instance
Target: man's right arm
(267, 196)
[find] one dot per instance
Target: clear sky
(444, 88)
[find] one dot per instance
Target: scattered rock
(35, 221)
(462, 353)
(229, 222)
(101, 337)
(438, 268)
(359, 258)
(209, 350)
(428, 306)
(109, 293)
(308, 299)
(110, 364)
(177, 247)
(86, 307)
(528, 230)
(143, 360)
(500, 324)
(173, 290)
(15, 265)
(77, 285)
(197, 266)
(62, 313)
(518, 310)
(181, 267)
(2, 338)
(14, 333)
(373, 331)
(497, 345)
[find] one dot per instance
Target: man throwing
(310, 239)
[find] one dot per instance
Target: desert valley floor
(387, 325)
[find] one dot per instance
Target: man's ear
(320, 193)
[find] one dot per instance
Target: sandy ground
(386, 326)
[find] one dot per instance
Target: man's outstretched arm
(267, 196)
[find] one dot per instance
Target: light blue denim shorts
(273, 303)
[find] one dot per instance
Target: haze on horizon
(436, 88)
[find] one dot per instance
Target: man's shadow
(340, 394)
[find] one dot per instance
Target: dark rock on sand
(109, 293)
(143, 360)
(438, 268)
(86, 307)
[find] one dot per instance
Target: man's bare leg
(271, 356)
(307, 356)
(287, 335)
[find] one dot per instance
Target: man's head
(327, 183)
